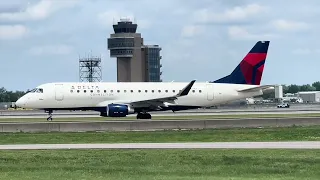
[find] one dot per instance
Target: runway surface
(215, 145)
(307, 109)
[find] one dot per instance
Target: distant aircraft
(119, 99)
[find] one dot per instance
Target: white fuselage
(76, 95)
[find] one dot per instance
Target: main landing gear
(50, 115)
(143, 115)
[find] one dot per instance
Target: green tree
(293, 88)
(285, 88)
(10, 96)
(3, 94)
(268, 95)
(316, 85)
(307, 87)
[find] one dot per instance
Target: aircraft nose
(21, 102)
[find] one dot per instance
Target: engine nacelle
(117, 110)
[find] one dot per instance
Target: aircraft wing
(154, 102)
(263, 87)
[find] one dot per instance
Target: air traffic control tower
(136, 62)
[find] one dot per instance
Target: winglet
(185, 90)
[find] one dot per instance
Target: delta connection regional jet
(119, 99)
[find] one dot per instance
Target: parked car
(283, 105)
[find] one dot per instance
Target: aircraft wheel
(143, 116)
(148, 116)
(139, 116)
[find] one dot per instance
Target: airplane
(119, 99)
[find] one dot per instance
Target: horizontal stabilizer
(258, 88)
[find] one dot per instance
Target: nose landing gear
(50, 115)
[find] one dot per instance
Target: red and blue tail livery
(250, 69)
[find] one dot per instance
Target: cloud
(38, 11)
(237, 13)
(237, 32)
(10, 32)
(110, 17)
(59, 49)
(196, 34)
(305, 51)
(287, 25)
(9, 8)
(192, 30)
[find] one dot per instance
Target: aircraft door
(59, 92)
(210, 92)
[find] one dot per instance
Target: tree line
(13, 96)
(10, 96)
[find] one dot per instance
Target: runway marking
(215, 145)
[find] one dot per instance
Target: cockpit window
(37, 90)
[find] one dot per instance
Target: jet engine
(117, 110)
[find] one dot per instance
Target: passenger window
(105, 91)
(78, 91)
(98, 91)
(118, 91)
(146, 91)
(159, 91)
(166, 91)
(173, 90)
(91, 91)
(139, 91)
(85, 91)
(111, 90)
(153, 91)
(125, 91)
(193, 91)
(71, 91)
(132, 91)
(200, 91)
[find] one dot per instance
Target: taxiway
(252, 110)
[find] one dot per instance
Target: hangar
(310, 96)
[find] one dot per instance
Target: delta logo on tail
(250, 69)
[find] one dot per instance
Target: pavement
(214, 145)
(155, 125)
(301, 109)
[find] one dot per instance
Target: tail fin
(250, 69)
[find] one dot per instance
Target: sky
(41, 40)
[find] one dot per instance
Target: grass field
(311, 133)
(180, 117)
(160, 164)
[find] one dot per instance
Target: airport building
(136, 62)
(310, 96)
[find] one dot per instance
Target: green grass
(187, 117)
(311, 133)
(160, 164)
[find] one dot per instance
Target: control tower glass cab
(121, 43)
(125, 26)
